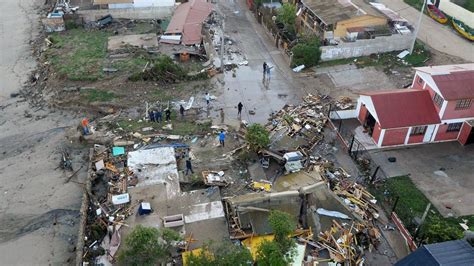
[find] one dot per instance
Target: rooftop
(187, 21)
(453, 81)
(332, 11)
(403, 108)
(456, 252)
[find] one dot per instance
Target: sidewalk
(440, 37)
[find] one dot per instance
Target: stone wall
(128, 13)
(383, 44)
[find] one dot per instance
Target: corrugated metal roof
(456, 252)
(332, 11)
(455, 86)
(404, 108)
(187, 20)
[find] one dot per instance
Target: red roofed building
(438, 107)
(186, 24)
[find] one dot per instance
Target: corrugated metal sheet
(450, 253)
(404, 108)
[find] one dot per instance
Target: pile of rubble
(346, 242)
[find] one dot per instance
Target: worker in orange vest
(85, 126)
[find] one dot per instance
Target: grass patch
(180, 127)
(131, 65)
(78, 54)
(412, 203)
(94, 95)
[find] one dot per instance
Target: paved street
(440, 37)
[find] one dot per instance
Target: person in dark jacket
(189, 166)
(239, 109)
(168, 114)
(181, 110)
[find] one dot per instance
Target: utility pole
(422, 220)
(418, 26)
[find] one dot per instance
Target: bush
(269, 254)
(282, 226)
(147, 246)
(306, 53)
(257, 137)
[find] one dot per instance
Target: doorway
(370, 123)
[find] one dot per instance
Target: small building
(449, 253)
(331, 19)
(185, 26)
(438, 107)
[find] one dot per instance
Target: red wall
(416, 139)
(362, 114)
(452, 113)
(432, 94)
(376, 133)
(416, 85)
(464, 134)
(394, 136)
(443, 135)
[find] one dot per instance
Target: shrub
(257, 137)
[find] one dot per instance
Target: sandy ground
(38, 210)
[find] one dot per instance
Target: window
(463, 104)
(420, 80)
(438, 100)
(454, 127)
(418, 130)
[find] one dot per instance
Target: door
(428, 133)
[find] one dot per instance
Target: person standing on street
(181, 110)
(168, 114)
(222, 138)
(239, 109)
(158, 116)
(208, 98)
(265, 66)
(189, 166)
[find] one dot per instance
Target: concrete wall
(128, 13)
(450, 8)
(452, 113)
(381, 44)
(343, 114)
(144, 4)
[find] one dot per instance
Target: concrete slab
(156, 166)
(442, 171)
(138, 40)
(296, 180)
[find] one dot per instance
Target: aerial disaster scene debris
(237, 132)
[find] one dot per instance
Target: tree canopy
(224, 254)
(257, 137)
(147, 246)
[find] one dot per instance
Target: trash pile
(109, 200)
(214, 178)
(344, 103)
(346, 243)
(353, 194)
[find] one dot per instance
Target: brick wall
(394, 136)
(443, 135)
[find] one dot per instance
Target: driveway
(437, 36)
(443, 171)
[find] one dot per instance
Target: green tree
(437, 230)
(225, 254)
(307, 53)
(287, 16)
(147, 246)
(269, 254)
(257, 136)
(282, 226)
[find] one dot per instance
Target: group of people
(156, 115)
